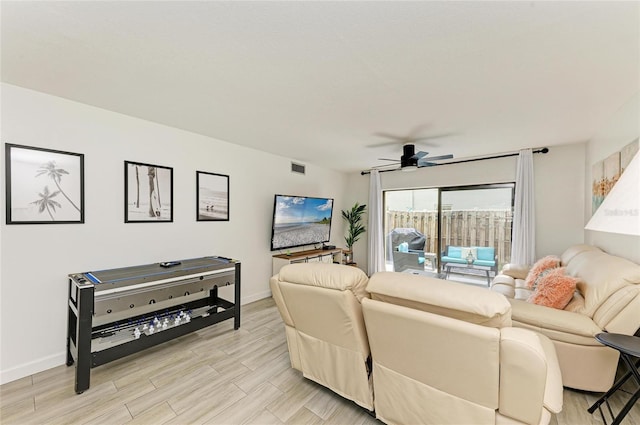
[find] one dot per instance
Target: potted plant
(355, 229)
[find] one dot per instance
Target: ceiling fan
(412, 160)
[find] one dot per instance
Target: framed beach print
(212, 199)
(43, 186)
(148, 193)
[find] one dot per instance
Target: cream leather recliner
(445, 353)
(320, 306)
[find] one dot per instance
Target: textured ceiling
(315, 81)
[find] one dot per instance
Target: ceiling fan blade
(426, 164)
(435, 136)
(420, 154)
(438, 158)
(389, 136)
(380, 145)
(388, 159)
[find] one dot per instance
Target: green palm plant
(46, 202)
(56, 175)
(356, 228)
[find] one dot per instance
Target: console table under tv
(310, 256)
(117, 312)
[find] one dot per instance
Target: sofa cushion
(540, 267)
(486, 253)
(554, 289)
(454, 252)
(575, 250)
(331, 276)
(446, 298)
(559, 325)
(600, 276)
(465, 251)
(447, 259)
(484, 263)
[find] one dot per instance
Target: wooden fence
(460, 228)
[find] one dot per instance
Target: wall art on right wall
(606, 173)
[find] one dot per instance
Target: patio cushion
(455, 252)
(448, 259)
(486, 253)
(484, 263)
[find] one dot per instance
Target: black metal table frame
(634, 371)
(80, 328)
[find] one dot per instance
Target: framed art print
(148, 193)
(212, 200)
(43, 186)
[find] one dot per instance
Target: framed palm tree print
(212, 201)
(148, 193)
(43, 186)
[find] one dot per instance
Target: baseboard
(60, 359)
(255, 297)
(33, 367)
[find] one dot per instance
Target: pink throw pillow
(540, 267)
(555, 289)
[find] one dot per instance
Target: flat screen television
(300, 220)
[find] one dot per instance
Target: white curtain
(523, 247)
(375, 253)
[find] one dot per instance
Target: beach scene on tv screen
(301, 221)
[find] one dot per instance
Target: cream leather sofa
(607, 299)
(441, 352)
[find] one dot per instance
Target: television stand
(310, 256)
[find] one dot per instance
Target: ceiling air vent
(297, 168)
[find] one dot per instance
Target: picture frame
(148, 193)
(43, 186)
(212, 196)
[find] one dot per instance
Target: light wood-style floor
(213, 376)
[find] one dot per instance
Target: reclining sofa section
(440, 352)
(607, 299)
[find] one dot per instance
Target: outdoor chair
(407, 246)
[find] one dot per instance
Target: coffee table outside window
(466, 267)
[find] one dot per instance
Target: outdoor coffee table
(466, 267)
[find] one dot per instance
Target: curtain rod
(542, 150)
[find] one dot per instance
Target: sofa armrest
(516, 271)
(506, 285)
(530, 377)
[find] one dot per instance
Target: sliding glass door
(475, 230)
(411, 217)
(459, 231)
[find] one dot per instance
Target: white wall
(35, 259)
(622, 128)
(559, 177)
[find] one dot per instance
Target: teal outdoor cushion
(454, 252)
(486, 253)
(448, 259)
(484, 263)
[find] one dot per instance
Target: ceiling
(315, 81)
